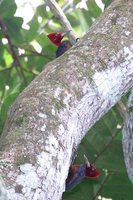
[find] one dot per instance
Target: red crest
(56, 38)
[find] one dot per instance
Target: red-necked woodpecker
(56, 39)
(77, 172)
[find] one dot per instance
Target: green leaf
(32, 33)
(112, 159)
(3, 111)
(83, 191)
(14, 26)
(107, 2)
(93, 8)
(83, 22)
(72, 17)
(1, 52)
(7, 57)
(118, 187)
(41, 11)
(7, 8)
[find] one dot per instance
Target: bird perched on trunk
(56, 39)
(77, 172)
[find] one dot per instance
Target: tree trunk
(51, 116)
(127, 138)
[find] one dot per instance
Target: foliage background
(23, 55)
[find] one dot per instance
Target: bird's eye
(92, 168)
(56, 35)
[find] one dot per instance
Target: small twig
(64, 7)
(13, 52)
(31, 71)
(43, 54)
(8, 76)
(46, 55)
(6, 69)
(59, 14)
(102, 185)
(106, 146)
(122, 109)
(37, 54)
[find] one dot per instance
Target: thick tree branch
(128, 138)
(52, 115)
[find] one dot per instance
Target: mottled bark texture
(127, 139)
(52, 115)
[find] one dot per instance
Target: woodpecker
(77, 172)
(56, 39)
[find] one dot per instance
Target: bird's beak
(87, 161)
(65, 33)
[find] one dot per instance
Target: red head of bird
(91, 171)
(56, 38)
(78, 172)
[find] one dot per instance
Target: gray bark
(127, 139)
(52, 115)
